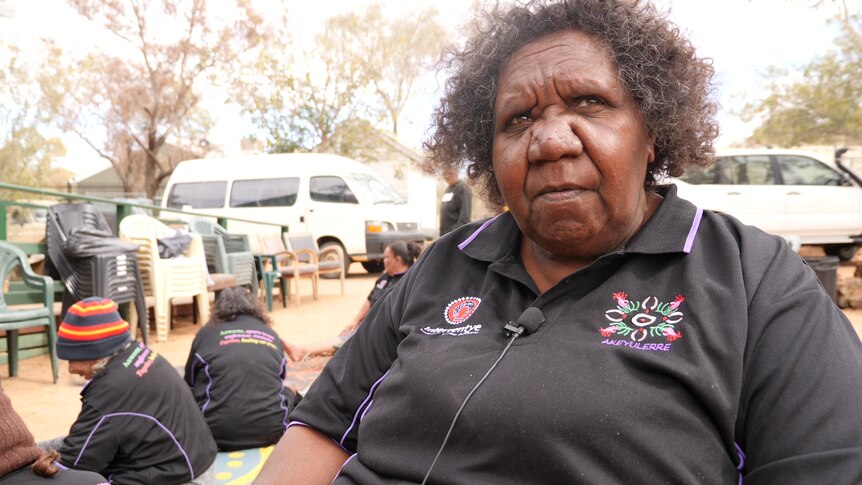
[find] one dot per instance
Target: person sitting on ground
(236, 370)
(138, 423)
(398, 257)
(22, 462)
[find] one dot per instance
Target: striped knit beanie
(92, 329)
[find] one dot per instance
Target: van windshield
(374, 190)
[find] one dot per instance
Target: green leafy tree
(299, 103)
(821, 103)
(26, 155)
(394, 53)
(142, 92)
(361, 72)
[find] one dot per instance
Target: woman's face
(570, 148)
(391, 263)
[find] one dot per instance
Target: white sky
(742, 36)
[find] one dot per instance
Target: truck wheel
(845, 252)
(332, 256)
(373, 266)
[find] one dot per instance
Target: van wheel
(333, 256)
(373, 266)
(845, 252)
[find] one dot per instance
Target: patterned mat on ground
(300, 375)
(240, 467)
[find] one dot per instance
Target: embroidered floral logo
(636, 321)
(460, 310)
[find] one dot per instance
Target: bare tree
(141, 91)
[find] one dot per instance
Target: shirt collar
(671, 229)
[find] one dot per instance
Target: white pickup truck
(789, 193)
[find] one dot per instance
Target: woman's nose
(553, 139)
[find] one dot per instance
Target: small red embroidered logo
(460, 310)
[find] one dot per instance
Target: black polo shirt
(236, 372)
(702, 351)
(139, 424)
(381, 285)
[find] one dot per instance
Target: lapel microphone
(528, 322)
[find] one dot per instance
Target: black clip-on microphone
(528, 322)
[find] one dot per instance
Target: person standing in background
(456, 203)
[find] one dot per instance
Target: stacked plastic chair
(169, 278)
(227, 253)
(12, 319)
(111, 273)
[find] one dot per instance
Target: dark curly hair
(657, 65)
(236, 301)
(407, 251)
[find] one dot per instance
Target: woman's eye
(588, 102)
(520, 118)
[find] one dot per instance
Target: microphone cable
(514, 335)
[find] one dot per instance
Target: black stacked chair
(93, 262)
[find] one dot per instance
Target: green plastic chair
(227, 253)
(12, 320)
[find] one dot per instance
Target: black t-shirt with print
(139, 424)
(236, 371)
(701, 352)
(381, 285)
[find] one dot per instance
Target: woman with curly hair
(236, 372)
(602, 330)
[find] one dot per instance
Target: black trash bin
(826, 268)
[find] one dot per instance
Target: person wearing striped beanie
(91, 332)
(139, 423)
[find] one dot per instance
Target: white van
(338, 200)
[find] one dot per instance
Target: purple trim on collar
(476, 233)
(138, 415)
(695, 224)
(348, 460)
(60, 465)
(361, 407)
(741, 461)
(209, 383)
(300, 423)
(281, 373)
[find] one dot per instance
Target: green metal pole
(3, 208)
(123, 210)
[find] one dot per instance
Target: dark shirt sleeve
(338, 397)
(91, 444)
(802, 384)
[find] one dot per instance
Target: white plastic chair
(166, 279)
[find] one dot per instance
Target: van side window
(264, 192)
(198, 195)
(331, 189)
